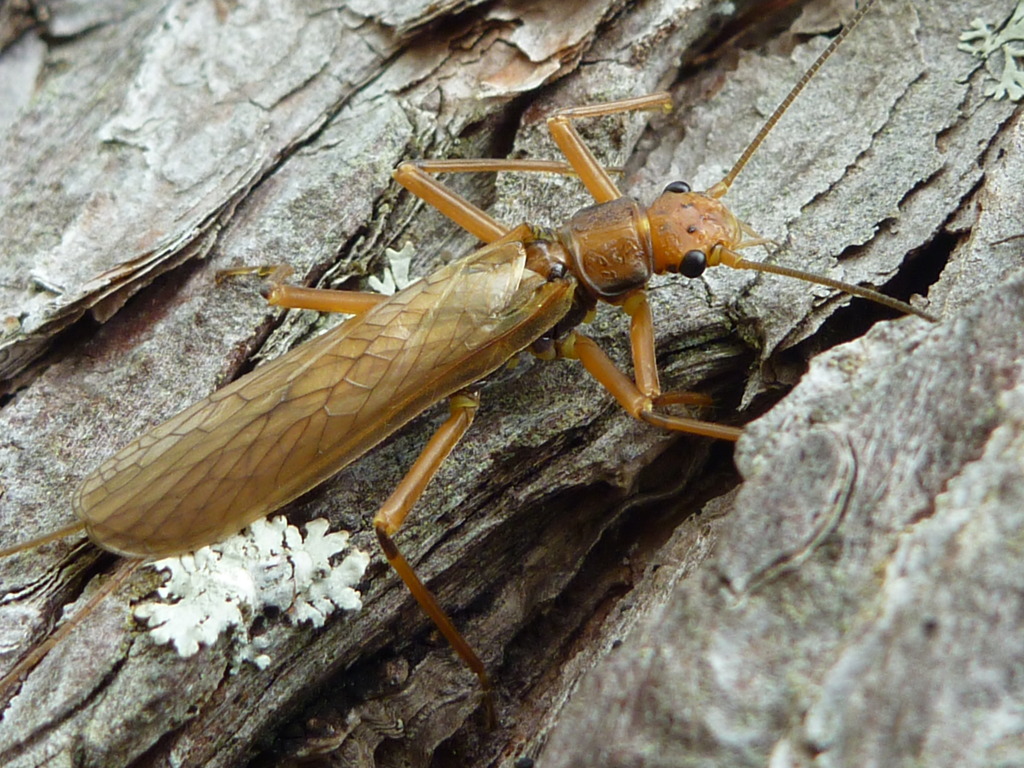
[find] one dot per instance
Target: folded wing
(277, 432)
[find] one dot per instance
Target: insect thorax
(609, 247)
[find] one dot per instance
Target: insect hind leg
(321, 299)
(26, 664)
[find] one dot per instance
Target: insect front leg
(391, 515)
(640, 404)
(594, 175)
(418, 176)
(645, 362)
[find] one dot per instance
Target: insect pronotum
(260, 442)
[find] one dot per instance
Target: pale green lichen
(1002, 51)
(224, 586)
(396, 271)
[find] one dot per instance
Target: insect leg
(393, 512)
(453, 205)
(593, 175)
(60, 533)
(645, 363)
(278, 293)
(321, 299)
(636, 403)
(641, 341)
(416, 176)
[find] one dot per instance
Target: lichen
(225, 586)
(396, 271)
(1001, 49)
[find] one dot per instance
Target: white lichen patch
(396, 272)
(224, 586)
(1002, 50)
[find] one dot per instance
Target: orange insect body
(265, 439)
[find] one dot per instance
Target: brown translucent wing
(265, 439)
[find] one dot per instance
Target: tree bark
(850, 596)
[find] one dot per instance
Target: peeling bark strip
(861, 600)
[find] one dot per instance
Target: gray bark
(847, 599)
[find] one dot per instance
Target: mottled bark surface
(851, 596)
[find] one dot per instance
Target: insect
(267, 438)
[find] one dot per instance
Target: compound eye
(678, 187)
(693, 264)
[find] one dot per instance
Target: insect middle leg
(417, 176)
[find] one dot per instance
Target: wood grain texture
(871, 540)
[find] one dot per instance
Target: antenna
(719, 189)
